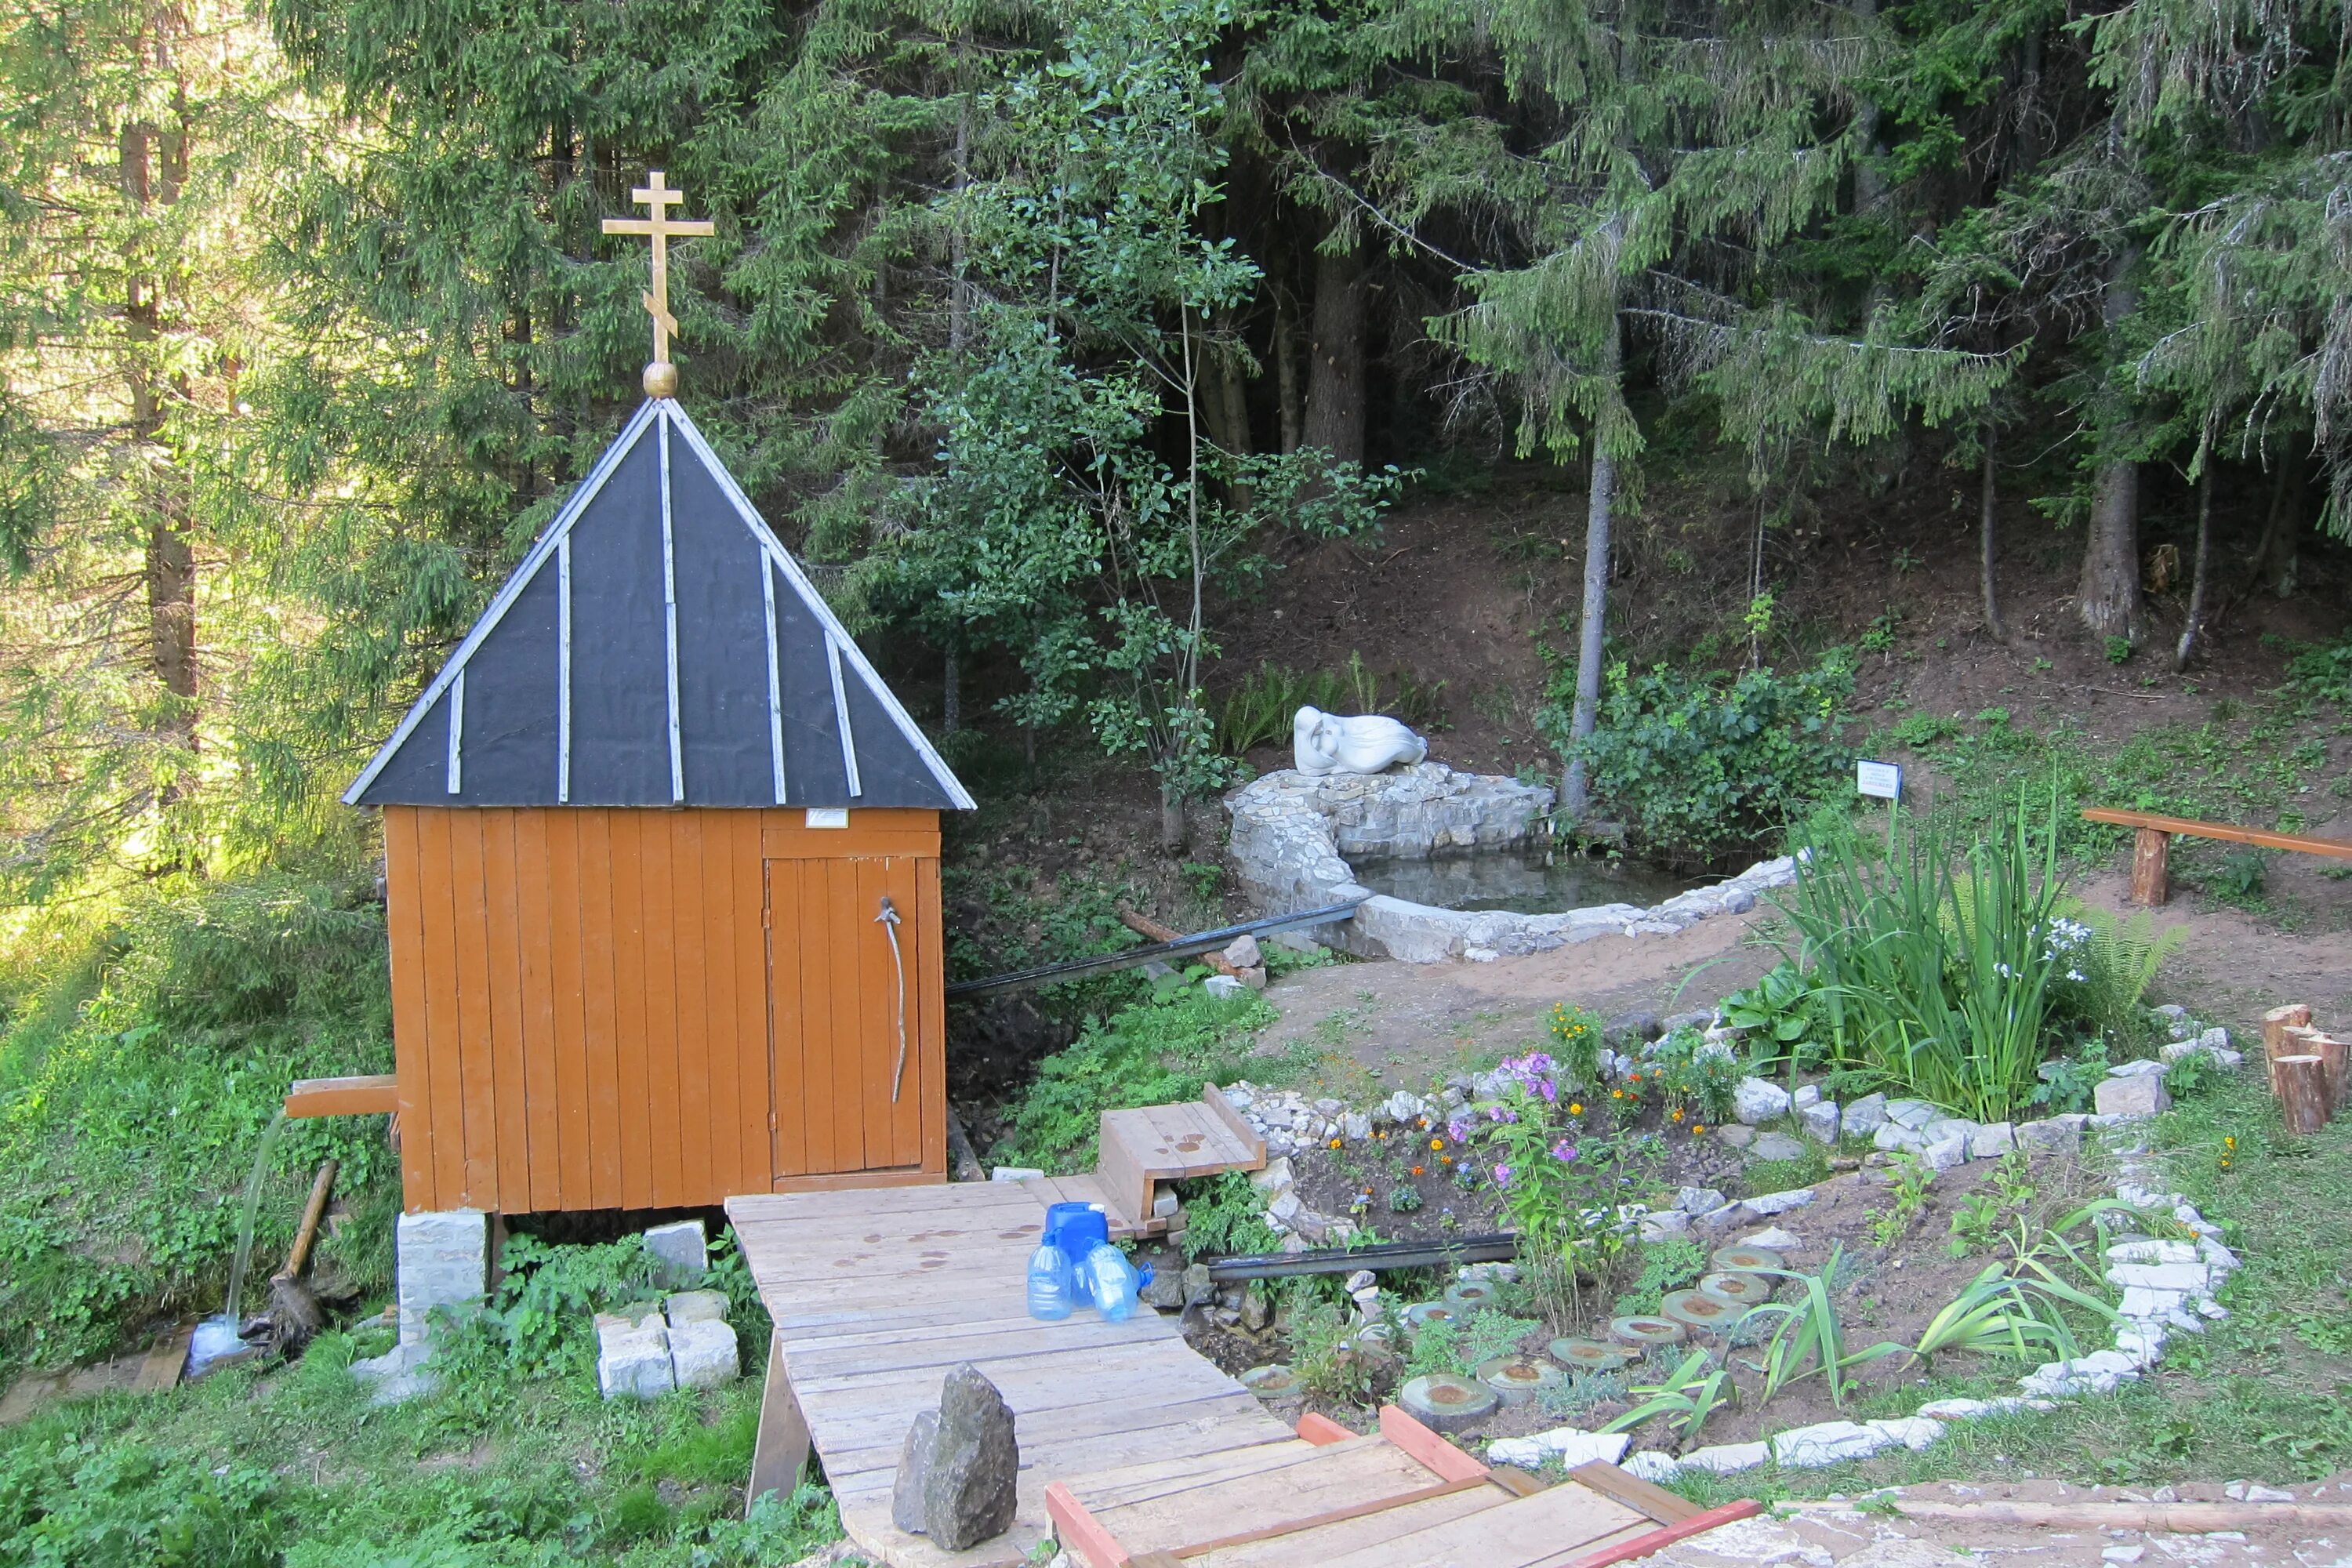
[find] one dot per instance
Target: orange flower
(1678, 1113)
(1416, 1170)
(1445, 1159)
(1335, 1142)
(1616, 1094)
(1696, 1129)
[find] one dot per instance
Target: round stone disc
(1467, 1295)
(1647, 1331)
(1432, 1311)
(1591, 1355)
(1447, 1403)
(1707, 1314)
(1271, 1381)
(1740, 1289)
(1518, 1378)
(1739, 1259)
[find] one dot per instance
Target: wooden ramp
(877, 1292)
(1403, 1497)
(1137, 1149)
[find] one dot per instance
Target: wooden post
(2302, 1093)
(781, 1450)
(2334, 1059)
(2150, 883)
(2276, 1022)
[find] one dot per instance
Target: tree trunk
(1226, 407)
(1869, 181)
(1987, 515)
(2107, 597)
(152, 169)
(950, 691)
(2198, 573)
(1289, 402)
(1173, 827)
(1574, 794)
(2275, 557)
(1335, 364)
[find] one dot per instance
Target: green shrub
(1698, 1080)
(2325, 671)
(1152, 1053)
(1702, 766)
(1225, 1217)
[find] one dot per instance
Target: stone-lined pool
(1518, 878)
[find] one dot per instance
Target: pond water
(1518, 881)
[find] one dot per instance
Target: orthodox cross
(661, 376)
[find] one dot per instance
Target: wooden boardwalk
(877, 1292)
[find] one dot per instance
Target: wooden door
(849, 1073)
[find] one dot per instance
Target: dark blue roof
(657, 646)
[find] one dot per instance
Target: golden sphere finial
(661, 379)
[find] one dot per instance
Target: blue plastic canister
(1076, 1228)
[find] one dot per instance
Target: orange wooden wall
(583, 1015)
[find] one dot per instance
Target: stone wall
(1292, 835)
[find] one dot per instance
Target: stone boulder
(1756, 1102)
(968, 1493)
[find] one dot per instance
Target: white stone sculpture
(1324, 743)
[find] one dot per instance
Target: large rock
(1820, 1121)
(914, 1472)
(968, 1493)
(1756, 1102)
(1776, 1146)
(2134, 1096)
(1991, 1143)
(1913, 1114)
(2055, 1134)
(1828, 1443)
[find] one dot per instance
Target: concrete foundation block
(696, 1307)
(683, 1249)
(702, 1353)
(442, 1260)
(632, 1359)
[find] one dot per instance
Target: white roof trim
(836, 633)
(622, 445)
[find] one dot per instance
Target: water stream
(217, 1336)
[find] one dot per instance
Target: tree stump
(2301, 1040)
(2276, 1022)
(2301, 1093)
(2151, 883)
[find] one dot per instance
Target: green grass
(2265, 1393)
(137, 1074)
(1152, 1053)
(258, 1468)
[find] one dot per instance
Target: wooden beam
(780, 1453)
(1659, 1540)
(2338, 848)
(1643, 1497)
(374, 1094)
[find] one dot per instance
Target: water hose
(889, 920)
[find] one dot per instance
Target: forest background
(1053, 337)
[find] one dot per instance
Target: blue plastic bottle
(1051, 1285)
(1111, 1281)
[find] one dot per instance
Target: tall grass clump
(1934, 958)
(1258, 712)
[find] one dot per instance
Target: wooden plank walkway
(878, 1292)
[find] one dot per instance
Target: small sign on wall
(826, 816)
(1880, 780)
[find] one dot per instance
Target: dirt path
(1404, 1022)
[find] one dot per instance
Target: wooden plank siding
(634, 1008)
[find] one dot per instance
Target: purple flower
(1551, 1091)
(1502, 1175)
(1457, 1129)
(1563, 1150)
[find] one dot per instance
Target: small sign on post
(1880, 780)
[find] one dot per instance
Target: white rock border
(1292, 833)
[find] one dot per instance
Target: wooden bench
(2151, 876)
